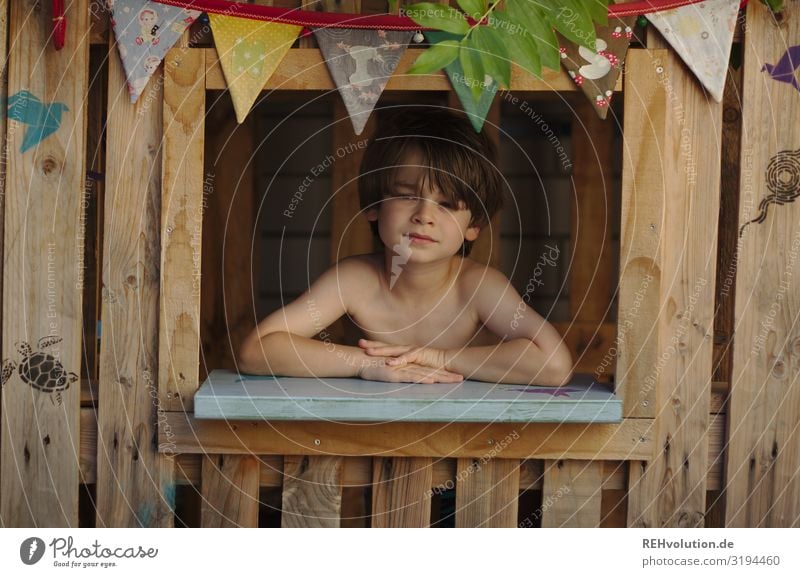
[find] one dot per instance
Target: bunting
(476, 109)
(702, 35)
(596, 71)
(361, 62)
(249, 52)
(145, 31)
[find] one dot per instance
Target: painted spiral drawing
(783, 181)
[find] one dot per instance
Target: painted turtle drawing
(40, 369)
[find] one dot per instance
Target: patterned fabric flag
(476, 109)
(361, 63)
(249, 52)
(145, 32)
(596, 71)
(702, 34)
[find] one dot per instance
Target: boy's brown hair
(463, 163)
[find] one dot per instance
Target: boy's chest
(444, 325)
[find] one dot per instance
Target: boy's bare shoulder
(358, 271)
(477, 275)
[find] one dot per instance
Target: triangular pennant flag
(476, 109)
(596, 71)
(702, 34)
(145, 32)
(361, 63)
(249, 52)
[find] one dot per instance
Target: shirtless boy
(428, 185)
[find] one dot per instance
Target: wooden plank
(671, 491)
(181, 228)
(487, 492)
(590, 233)
(230, 491)
(401, 492)
(728, 247)
(312, 491)
(135, 484)
(227, 280)
(231, 396)
(763, 485)
(643, 198)
(305, 69)
(572, 494)
(42, 298)
(632, 439)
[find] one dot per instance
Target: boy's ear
(472, 233)
(371, 214)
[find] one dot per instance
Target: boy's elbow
(250, 356)
(562, 369)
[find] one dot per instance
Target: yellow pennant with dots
(249, 52)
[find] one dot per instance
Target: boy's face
(417, 220)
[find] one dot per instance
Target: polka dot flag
(249, 52)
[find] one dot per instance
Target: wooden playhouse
(127, 245)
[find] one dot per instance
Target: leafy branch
(524, 32)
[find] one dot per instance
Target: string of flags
(363, 53)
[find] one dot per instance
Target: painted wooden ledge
(232, 396)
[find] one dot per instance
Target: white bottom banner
(399, 551)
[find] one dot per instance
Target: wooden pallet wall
(42, 265)
(763, 484)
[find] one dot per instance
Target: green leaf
(521, 45)
(438, 16)
(470, 60)
(598, 10)
(494, 54)
(475, 8)
(572, 20)
(435, 58)
(532, 19)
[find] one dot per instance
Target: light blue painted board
(228, 395)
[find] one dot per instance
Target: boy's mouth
(419, 238)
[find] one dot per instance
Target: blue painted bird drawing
(784, 70)
(41, 119)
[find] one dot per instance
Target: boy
(428, 184)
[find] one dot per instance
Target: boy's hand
(404, 354)
(408, 373)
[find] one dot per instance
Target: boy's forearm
(517, 361)
(291, 355)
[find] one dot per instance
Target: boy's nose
(423, 212)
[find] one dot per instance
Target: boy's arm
(281, 343)
(531, 353)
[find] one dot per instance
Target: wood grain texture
(401, 492)
(43, 249)
(312, 491)
(763, 484)
(181, 228)
(135, 483)
(305, 69)
(671, 491)
(572, 494)
(487, 492)
(632, 439)
(230, 491)
(643, 197)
